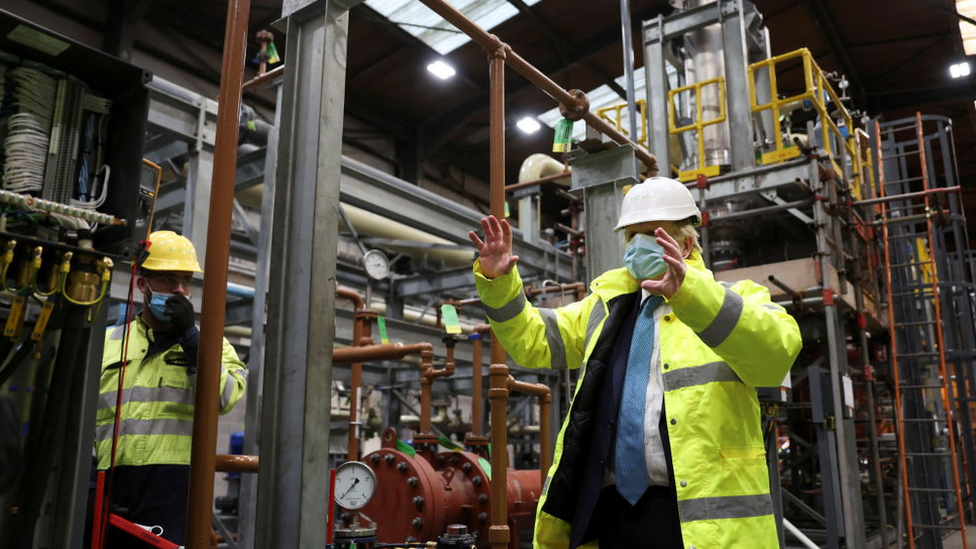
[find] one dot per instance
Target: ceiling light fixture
(441, 70)
(528, 125)
(958, 70)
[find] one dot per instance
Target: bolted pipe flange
(375, 458)
(466, 467)
(417, 522)
(412, 482)
(402, 467)
(483, 499)
(419, 502)
(579, 108)
(389, 458)
(476, 481)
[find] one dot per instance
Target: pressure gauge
(355, 484)
(377, 264)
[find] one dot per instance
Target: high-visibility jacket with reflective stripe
(156, 425)
(716, 344)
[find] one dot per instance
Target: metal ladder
(924, 398)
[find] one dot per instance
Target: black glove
(180, 312)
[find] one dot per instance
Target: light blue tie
(631, 466)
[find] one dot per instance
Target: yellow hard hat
(169, 251)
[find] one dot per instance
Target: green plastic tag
(405, 448)
(252, 125)
(508, 211)
(273, 56)
(451, 323)
(381, 322)
(486, 466)
(562, 141)
(446, 442)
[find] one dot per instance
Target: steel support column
(293, 478)
(255, 366)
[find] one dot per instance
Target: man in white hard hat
(152, 455)
(662, 447)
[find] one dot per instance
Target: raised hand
(675, 275)
(496, 249)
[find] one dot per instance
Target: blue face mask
(157, 304)
(644, 257)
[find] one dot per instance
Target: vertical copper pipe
(427, 358)
(498, 532)
(204, 447)
(545, 435)
(477, 347)
(352, 453)
(496, 70)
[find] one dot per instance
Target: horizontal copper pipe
(492, 44)
(535, 182)
(262, 79)
(372, 353)
(237, 464)
(904, 196)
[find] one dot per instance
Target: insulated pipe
(206, 406)
(236, 463)
(545, 419)
(575, 103)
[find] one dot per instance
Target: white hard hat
(658, 199)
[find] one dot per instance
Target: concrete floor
(955, 540)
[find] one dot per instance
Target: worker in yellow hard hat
(152, 457)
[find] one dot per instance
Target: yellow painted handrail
(698, 124)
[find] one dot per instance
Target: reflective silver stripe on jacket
(507, 311)
(229, 384)
(699, 375)
(773, 306)
(555, 340)
(596, 316)
(728, 507)
(146, 394)
(723, 324)
(146, 427)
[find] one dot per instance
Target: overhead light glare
(441, 70)
(528, 125)
(958, 70)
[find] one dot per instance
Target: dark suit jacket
(603, 435)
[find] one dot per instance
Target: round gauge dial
(355, 484)
(377, 264)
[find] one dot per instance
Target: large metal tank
(708, 62)
(418, 495)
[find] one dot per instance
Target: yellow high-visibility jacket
(157, 401)
(717, 343)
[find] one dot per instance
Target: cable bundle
(29, 131)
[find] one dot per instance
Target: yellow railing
(617, 118)
(862, 168)
(698, 124)
(819, 95)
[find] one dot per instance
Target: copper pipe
(204, 446)
(352, 295)
(498, 533)
(372, 353)
(360, 323)
(545, 419)
(497, 145)
(235, 463)
(496, 47)
(536, 182)
(263, 79)
(427, 376)
(477, 342)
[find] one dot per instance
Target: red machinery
(419, 494)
